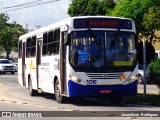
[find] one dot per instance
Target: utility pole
(38, 26)
(27, 28)
(144, 66)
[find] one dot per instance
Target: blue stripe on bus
(77, 90)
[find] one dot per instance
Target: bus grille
(104, 75)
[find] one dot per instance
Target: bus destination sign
(102, 23)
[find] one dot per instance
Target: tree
(154, 72)
(3, 20)
(145, 13)
(9, 35)
(78, 8)
(151, 21)
(90, 7)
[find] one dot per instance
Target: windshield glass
(5, 62)
(102, 49)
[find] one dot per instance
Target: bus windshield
(101, 49)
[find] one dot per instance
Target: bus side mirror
(66, 38)
(64, 30)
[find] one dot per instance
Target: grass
(149, 99)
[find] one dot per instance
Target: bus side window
(56, 41)
(50, 42)
(45, 44)
(33, 46)
(28, 48)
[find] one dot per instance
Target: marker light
(74, 78)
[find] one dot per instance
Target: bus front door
(38, 62)
(63, 66)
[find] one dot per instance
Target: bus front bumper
(77, 90)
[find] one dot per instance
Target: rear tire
(32, 92)
(58, 96)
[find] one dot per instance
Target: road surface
(15, 97)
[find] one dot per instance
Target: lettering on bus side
(56, 66)
(91, 82)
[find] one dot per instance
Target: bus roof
(62, 23)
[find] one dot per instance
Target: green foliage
(78, 8)
(145, 13)
(90, 7)
(3, 20)
(154, 71)
(151, 99)
(9, 34)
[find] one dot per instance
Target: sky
(41, 15)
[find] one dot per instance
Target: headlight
(74, 78)
(2, 67)
(129, 80)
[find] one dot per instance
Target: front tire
(58, 96)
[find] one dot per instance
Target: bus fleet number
(91, 81)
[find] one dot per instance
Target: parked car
(15, 65)
(7, 66)
(157, 54)
(141, 74)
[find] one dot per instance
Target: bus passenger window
(45, 44)
(33, 46)
(28, 48)
(50, 43)
(28, 53)
(56, 41)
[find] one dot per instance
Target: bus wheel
(58, 96)
(116, 100)
(32, 92)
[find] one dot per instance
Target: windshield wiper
(91, 33)
(114, 40)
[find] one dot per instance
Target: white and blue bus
(89, 56)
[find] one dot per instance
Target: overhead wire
(19, 5)
(25, 5)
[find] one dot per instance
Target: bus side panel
(48, 70)
(45, 74)
(31, 71)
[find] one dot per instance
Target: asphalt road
(18, 99)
